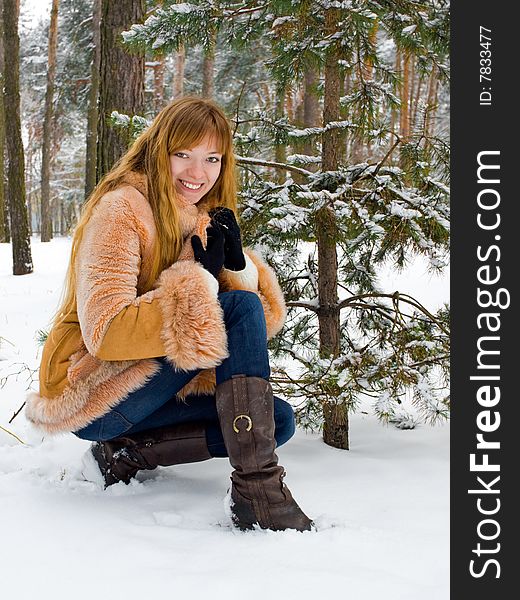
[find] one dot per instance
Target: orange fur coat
(105, 347)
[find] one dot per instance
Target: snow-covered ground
(381, 509)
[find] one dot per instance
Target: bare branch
(13, 434)
(349, 302)
(304, 305)
(244, 160)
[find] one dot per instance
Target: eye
(181, 154)
(214, 159)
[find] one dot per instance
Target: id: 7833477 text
(485, 67)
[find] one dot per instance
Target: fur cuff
(266, 287)
(193, 333)
(203, 383)
(270, 294)
(246, 279)
(88, 399)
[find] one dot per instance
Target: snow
(410, 29)
(430, 289)
(32, 11)
(381, 509)
(184, 8)
(282, 20)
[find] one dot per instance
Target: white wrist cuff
(247, 277)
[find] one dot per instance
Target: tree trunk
(92, 112)
(335, 425)
(62, 217)
(418, 93)
(431, 102)
(28, 174)
(411, 96)
(280, 151)
(46, 231)
(307, 115)
(368, 65)
(289, 105)
(326, 227)
(347, 86)
(433, 118)
(22, 260)
(4, 223)
(178, 73)
(158, 75)
(208, 68)
(393, 118)
(405, 97)
(178, 77)
(121, 80)
(311, 109)
(158, 83)
(298, 110)
(34, 141)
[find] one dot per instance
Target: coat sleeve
(260, 278)
(181, 318)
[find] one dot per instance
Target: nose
(196, 170)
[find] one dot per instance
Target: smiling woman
(158, 353)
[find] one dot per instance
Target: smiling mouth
(191, 186)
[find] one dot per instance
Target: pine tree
(378, 196)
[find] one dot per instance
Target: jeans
(155, 404)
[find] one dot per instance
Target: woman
(158, 352)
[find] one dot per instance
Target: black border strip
(483, 124)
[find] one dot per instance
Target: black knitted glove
(212, 258)
(234, 255)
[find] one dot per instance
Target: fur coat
(105, 348)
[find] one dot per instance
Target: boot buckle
(247, 417)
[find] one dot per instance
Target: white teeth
(191, 186)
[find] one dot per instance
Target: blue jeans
(155, 404)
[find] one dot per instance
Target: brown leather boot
(258, 495)
(120, 459)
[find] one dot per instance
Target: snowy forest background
(340, 113)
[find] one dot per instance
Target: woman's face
(195, 170)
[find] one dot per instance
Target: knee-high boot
(121, 458)
(258, 495)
